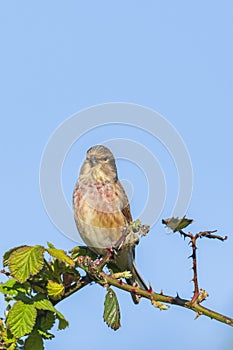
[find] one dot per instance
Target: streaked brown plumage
(101, 209)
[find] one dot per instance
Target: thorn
(161, 292)
(198, 314)
(150, 290)
(120, 282)
(134, 291)
(191, 256)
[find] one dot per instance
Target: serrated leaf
(21, 319)
(12, 287)
(45, 335)
(177, 224)
(34, 342)
(50, 245)
(12, 346)
(45, 304)
(60, 255)
(8, 287)
(55, 290)
(26, 261)
(39, 289)
(8, 337)
(112, 310)
(8, 254)
(47, 321)
(82, 251)
(63, 323)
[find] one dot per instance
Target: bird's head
(99, 165)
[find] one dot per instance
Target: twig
(209, 234)
(4, 272)
(196, 307)
(193, 240)
(104, 279)
(195, 280)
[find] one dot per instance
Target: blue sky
(59, 58)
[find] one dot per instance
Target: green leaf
(8, 254)
(50, 245)
(7, 337)
(8, 287)
(45, 335)
(34, 342)
(55, 290)
(12, 287)
(47, 321)
(45, 304)
(12, 346)
(26, 261)
(177, 224)
(112, 310)
(82, 251)
(21, 319)
(63, 323)
(60, 255)
(39, 289)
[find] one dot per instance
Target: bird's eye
(92, 159)
(105, 159)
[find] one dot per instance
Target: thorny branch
(95, 273)
(157, 299)
(193, 243)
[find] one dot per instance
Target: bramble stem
(199, 309)
(193, 240)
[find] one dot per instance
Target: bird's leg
(128, 239)
(119, 243)
(117, 246)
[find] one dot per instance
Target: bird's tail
(136, 280)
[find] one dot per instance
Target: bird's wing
(126, 212)
(125, 205)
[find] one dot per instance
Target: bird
(102, 211)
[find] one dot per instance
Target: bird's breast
(99, 205)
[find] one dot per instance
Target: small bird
(101, 211)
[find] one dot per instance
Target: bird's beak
(93, 160)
